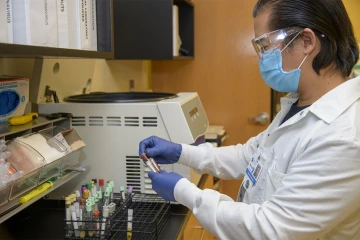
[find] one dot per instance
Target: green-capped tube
(99, 195)
(88, 207)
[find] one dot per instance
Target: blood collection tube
(100, 199)
(69, 231)
(83, 218)
(78, 196)
(129, 224)
(83, 188)
(122, 193)
(96, 222)
(75, 221)
(89, 219)
(89, 187)
(86, 194)
(107, 196)
(96, 200)
(112, 184)
(101, 185)
(103, 225)
(151, 163)
(109, 190)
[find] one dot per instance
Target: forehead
(261, 23)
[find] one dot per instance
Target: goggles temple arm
(291, 41)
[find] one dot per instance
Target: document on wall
(35, 22)
(6, 33)
(93, 26)
(62, 23)
(79, 19)
(85, 24)
(74, 24)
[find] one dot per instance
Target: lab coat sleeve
(319, 191)
(227, 162)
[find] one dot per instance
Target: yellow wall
(353, 8)
(106, 76)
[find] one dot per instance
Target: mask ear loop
(303, 61)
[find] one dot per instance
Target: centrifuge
(113, 124)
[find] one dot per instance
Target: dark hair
(330, 23)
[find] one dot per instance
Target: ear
(309, 40)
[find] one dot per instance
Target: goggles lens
(274, 40)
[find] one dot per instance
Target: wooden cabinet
(143, 29)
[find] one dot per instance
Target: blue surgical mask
(273, 74)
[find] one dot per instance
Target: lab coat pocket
(274, 180)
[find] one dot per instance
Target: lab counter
(45, 220)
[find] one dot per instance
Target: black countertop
(45, 220)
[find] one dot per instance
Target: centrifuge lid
(120, 97)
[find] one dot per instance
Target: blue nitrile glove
(164, 183)
(163, 151)
(9, 100)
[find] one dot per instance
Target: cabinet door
(143, 29)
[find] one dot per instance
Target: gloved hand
(163, 151)
(164, 183)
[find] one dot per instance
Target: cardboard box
(14, 95)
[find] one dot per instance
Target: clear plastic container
(39, 156)
(24, 184)
(4, 193)
(70, 160)
(50, 170)
(24, 157)
(47, 146)
(75, 143)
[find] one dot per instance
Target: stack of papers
(215, 134)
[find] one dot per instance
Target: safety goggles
(274, 40)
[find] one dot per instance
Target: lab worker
(301, 176)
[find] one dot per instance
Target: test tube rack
(150, 213)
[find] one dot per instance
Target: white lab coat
(309, 187)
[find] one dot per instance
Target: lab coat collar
(328, 107)
(334, 103)
(287, 102)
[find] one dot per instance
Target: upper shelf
(27, 51)
(13, 207)
(141, 29)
